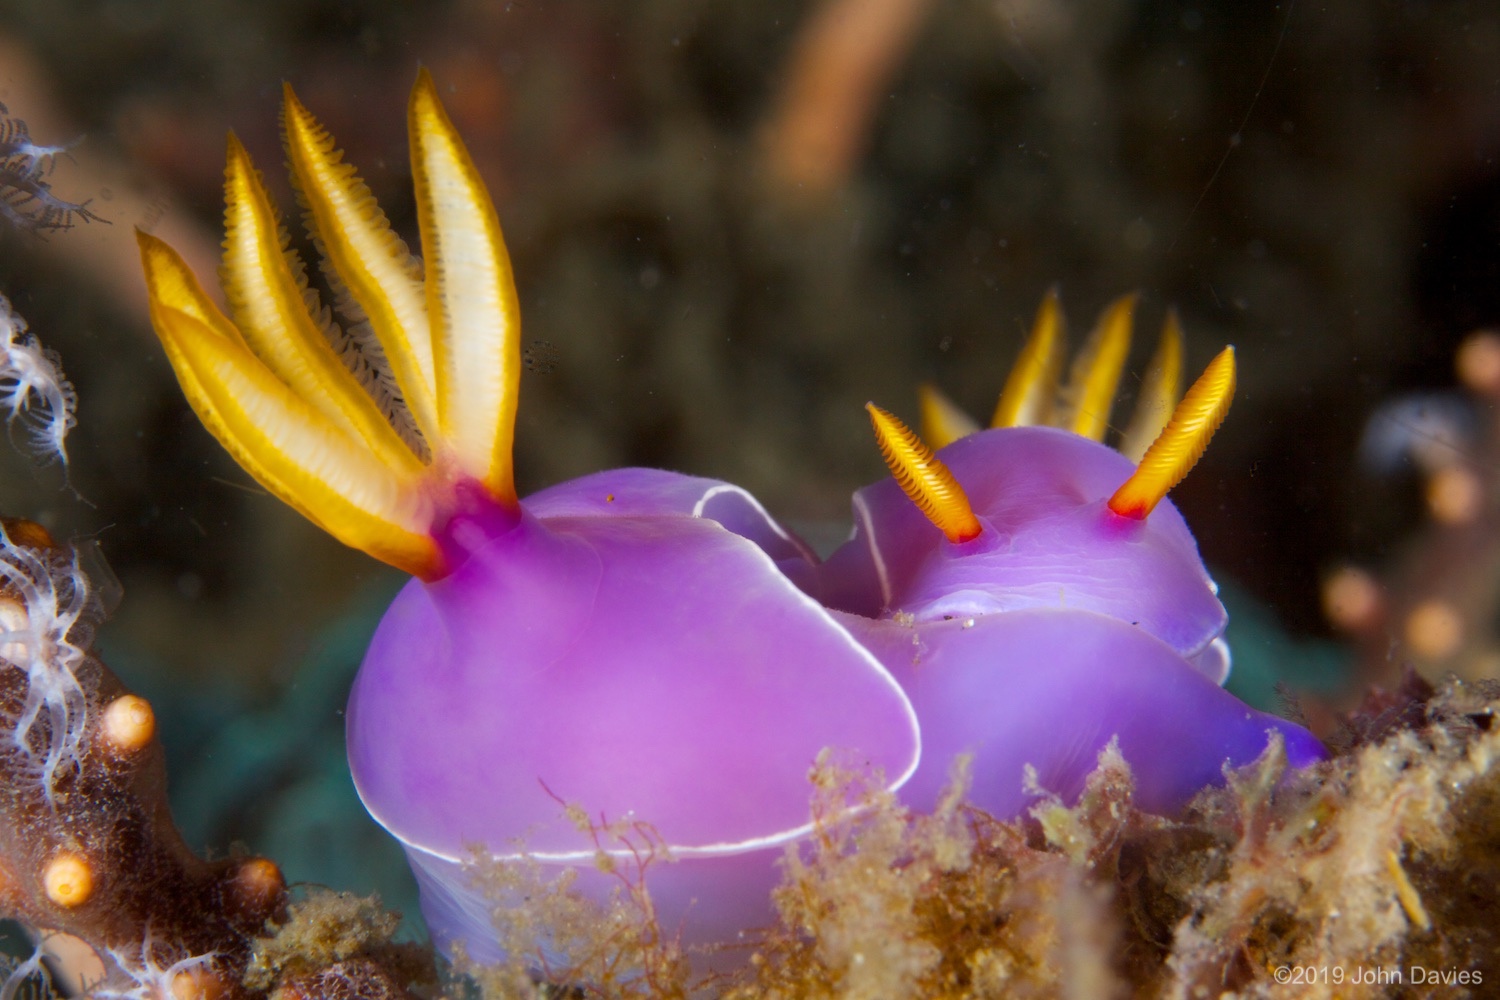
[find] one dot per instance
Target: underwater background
(710, 283)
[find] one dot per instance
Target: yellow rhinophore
(1181, 443)
(923, 477)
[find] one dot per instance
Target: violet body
(653, 649)
(1059, 626)
(1048, 542)
(645, 666)
(1049, 689)
(633, 644)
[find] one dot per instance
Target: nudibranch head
(632, 643)
(1049, 539)
(1037, 595)
(1039, 516)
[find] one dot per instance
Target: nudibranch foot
(1049, 689)
(709, 911)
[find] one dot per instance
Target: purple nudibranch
(634, 643)
(614, 650)
(1059, 626)
(653, 647)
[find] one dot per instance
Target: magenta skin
(638, 492)
(628, 657)
(1048, 542)
(1049, 688)
(636, 642)
(1061, 625)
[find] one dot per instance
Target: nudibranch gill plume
(1036, 593)
(631, 642)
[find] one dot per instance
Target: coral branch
(90, 861)
(87, 844)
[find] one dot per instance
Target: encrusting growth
(91, 864)
(84, 793)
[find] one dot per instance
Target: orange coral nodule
(1181, 443)
(27, 533)
(197, 984)
(923, 477)
(68, 880)
(257, 886)
(1434, 630)
(128, 724)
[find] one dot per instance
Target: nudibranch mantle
(632, 643)
(647, 492)
(631, 680)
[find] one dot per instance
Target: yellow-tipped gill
(473, 316)
(1030, 392)
(942, 421)
(1166, 437)
(1090, 393)
(923, 477)
(364, 428)
(1035, 395)
(1181, 443)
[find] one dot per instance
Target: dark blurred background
(734, 222)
